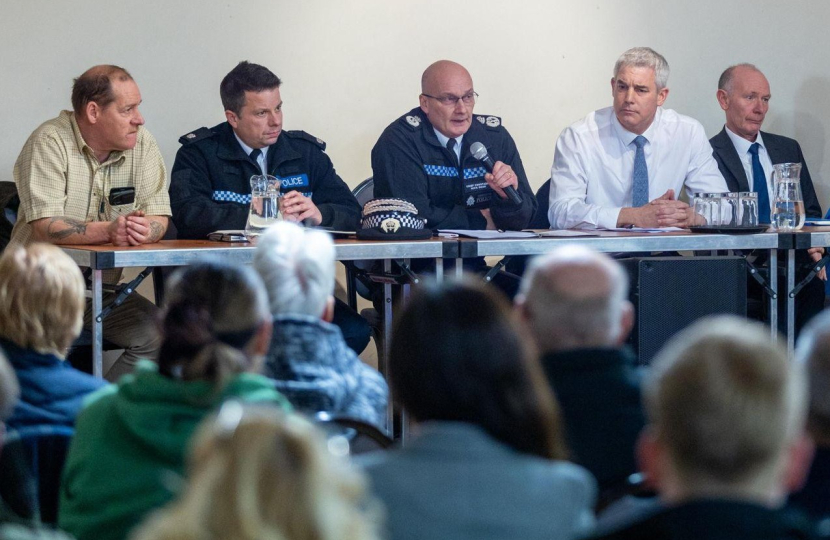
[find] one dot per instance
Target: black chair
(361, 436)
(9, 203)
(357, 281)
(516, 264)
(31, 464)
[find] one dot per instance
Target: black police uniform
(409, 162)
(210, 184)
(210, 190)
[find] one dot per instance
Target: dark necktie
(759, 185)
(451, 147)
(640, 174)
(255, 153)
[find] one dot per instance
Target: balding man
(94, 175)
(574, 301)
(424, 157)
(725, 439)
(745, 153)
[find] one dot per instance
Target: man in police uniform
(210, 185)
(424, 157)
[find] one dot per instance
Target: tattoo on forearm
(156, 232)
(73, 226)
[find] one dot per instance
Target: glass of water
(708, 207)
(265, 209)
(788, 203)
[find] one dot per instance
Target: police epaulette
(412, 121)
(489, 121)
(198, 135)
(300, 134)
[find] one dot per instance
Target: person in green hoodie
(128, 454)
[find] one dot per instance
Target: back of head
(257, 473)
(211, 316)
(41, 298)
(245, 77)
(726, 404)
(297, 267)
(645, 57)
(575, 297)
(458, 354)
(814, 352)
(95, 85)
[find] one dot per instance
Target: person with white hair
(625, 165)
(574, 302)
(726, 439)
(311, 363)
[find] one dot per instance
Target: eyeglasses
(466, 99)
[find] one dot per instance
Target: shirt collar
(742, 145)
(443, 139)
(627, 137)
(247, 149)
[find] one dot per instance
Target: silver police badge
(191, 135)
(470, 201)
(480, 119)
(413, 121)
(390, 225)
(493, 121)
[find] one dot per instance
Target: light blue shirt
(443, 140)
(262, 159)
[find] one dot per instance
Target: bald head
(438, 73)
(575, 297)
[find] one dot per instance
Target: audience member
(725, 440)
(312, 365)
(130, 440)
(12, 527)
(41, 313)
(94, 175)
(256, 473)
(210, 186)
(625, 165)
(574, 302)
(487, 456)
(814, 351)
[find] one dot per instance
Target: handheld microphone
(478, 151)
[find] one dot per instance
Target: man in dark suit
(744, 152)
(725, 439)
(575, 302)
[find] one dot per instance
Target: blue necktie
(640, 176)
(255, 153)
(759, 184)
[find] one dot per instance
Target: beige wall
(350, 68)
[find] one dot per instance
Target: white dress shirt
(443, 139)
(591, 177)
(742, 147)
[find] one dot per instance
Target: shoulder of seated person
(195, 136)
(300, 135)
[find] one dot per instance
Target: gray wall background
(350, 68)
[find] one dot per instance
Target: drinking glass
(708, 206)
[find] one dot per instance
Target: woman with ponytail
(127, 457)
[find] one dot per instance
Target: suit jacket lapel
(723, 147)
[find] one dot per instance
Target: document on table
(817, 222)
(485, 235)
(566, 233)
(644, 229)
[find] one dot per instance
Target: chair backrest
(361, 436)
(540, 218)
(9, 202)
(31, 464)
(365, 191)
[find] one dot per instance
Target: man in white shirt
(624, 165)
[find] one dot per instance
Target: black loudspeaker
(670, 293)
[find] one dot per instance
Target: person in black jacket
(740, 149)
(210, 185)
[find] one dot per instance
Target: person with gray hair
(726, 436)
(311, 363)
(574, 301)
(814, 352)
(625, 165)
